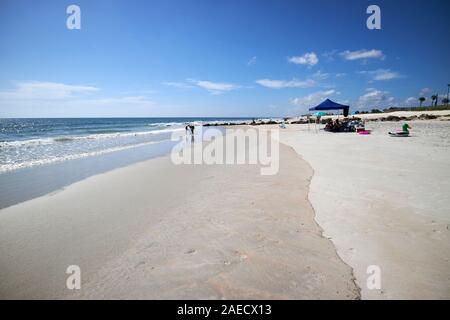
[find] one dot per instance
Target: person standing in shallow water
(188, 132)
(192, 128)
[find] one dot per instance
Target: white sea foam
(26, 164)
(165, 124)
(46, 141)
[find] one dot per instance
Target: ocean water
(26, 143)
(40, 156)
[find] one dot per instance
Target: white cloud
(411, 101)
(24, 90)
(424, 91)
(313, 99)
(319, 75)
(375, 98)
(36, 98)
(362, 54)
(279, 84)
(309, 59)
(80, 107)
(214, 87)
(382, 74)
(180, 85)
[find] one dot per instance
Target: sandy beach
(160, 231)
(154, 230)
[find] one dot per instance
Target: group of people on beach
(356, 126)
(336, 126)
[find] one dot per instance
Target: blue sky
(218, 58)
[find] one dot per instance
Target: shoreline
(29, 183)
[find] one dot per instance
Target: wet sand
(154, 230)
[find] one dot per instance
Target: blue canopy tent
(331, 105)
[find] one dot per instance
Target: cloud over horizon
(375, 98)
(314, 98)
(64, 99)
(45, 90)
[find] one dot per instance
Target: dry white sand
(156, 230)
(439, 113)
(384, 201)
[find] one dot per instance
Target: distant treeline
(392, 109)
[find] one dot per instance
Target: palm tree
(434, 98)
(445, 101)
(448, 90)
(421, 100)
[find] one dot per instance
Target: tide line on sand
(383, 203)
